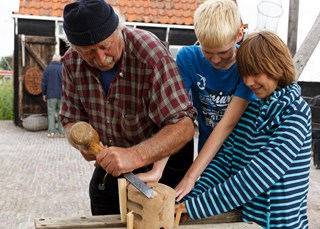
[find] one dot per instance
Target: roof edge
(49, 18)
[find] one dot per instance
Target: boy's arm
(290, 139)
(155, 173)
(212, 145)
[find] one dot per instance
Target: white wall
(308, 12)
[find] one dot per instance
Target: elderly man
(125, 83)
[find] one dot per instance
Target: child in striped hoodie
(262, 169)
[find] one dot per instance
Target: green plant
(6, 102)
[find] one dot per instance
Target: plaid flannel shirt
(146, 94)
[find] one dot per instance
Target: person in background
(125, 83)
(262, 170)
(51, 90)
(210, 73)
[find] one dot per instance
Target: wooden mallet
(82, 133)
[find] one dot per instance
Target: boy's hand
(150, 176)
(183, 188)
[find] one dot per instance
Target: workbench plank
(229, 217)
(226, 220)
(106, 221)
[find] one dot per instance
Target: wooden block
(130, 220)
(178, 217)
(154, 213)
(122, 185)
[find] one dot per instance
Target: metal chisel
(139, 184)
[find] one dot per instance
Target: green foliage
(6, 63)
(6, 102)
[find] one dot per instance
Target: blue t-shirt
(107, 77)
(211, 89)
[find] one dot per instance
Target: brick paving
(41, 177)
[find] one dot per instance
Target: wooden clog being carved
(155, 213)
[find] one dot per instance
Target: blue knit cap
(88, 22)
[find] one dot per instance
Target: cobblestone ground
(41, 177)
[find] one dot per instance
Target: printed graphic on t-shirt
(214, 103)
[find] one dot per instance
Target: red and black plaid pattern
(146, 94)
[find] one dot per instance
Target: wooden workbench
(227, 220)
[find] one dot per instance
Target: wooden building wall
(34, 47)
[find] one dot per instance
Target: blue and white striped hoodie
(263, 167)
